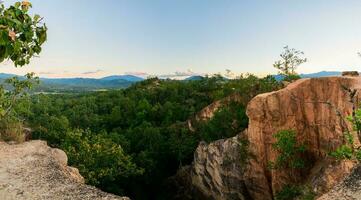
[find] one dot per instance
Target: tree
(16, 90)
(21, 38)
(290, 60)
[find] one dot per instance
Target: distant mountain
(80, 84)
(194, 78)
(5, 76)
(119, 81)
(87, 84)
(313, 75)
(123, 77)
(321, 74)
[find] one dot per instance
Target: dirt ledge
(33, 170)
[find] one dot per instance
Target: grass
(11, 130)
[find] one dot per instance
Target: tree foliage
(21, 35)
(16, 89)
(348, 149)
(21, 38)
(290, 60)
(289, 149)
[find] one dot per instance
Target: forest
(130, 141)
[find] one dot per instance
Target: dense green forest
(130, 141)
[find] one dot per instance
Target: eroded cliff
(315, 109)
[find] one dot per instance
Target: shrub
(289, 151)
(307, 194)
(342, 152)
(288, 193)
(291, 192)
(346, 151)
(11, 130)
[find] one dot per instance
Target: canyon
(316, 109)
(233, 168)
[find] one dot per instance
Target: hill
(130, 78)
(321, 74)
(194, 78)
(313, 75)
(80, 84)
(119, 81)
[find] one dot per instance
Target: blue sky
(97, 38)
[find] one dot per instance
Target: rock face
(348, 189)
(218, 169)
(209, 111)
(315, 109)
(33, 170)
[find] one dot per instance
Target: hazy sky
(97, 38)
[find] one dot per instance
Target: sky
(88, 38)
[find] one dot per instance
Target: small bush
(288, 193)
(307, 193)
(292, 192)
(11, 130)
(346, 151)
(342, 152)
(289, 151)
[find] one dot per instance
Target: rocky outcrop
(348, 189)
(315, 109)
(33, 170)
(208, 112)
(219, 167)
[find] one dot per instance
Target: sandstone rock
(209, 111)
(348, 189)
(315, 109)
(33, 170)
(218, 170)
(60, 156)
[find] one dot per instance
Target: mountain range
(313, 75)
(119, 81)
